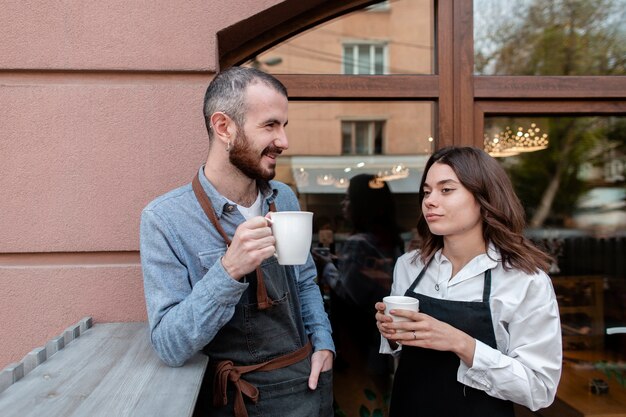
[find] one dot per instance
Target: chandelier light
(510, 143)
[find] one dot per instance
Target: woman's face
(448, 207)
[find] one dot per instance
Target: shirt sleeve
(529, 372)
(183, 319)
(314, 317)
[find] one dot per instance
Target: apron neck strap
(486, 285)
(263, 300)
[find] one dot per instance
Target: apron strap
(226, 371)
(487, 286)
(420, 275)
(263, 300)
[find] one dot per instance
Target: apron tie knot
(226, 371)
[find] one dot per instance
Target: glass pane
(406, 27)
(348, 60)
(320, 166)
(346, 138)
(570, 176)
(363, 138)
(378, 137)
(538, 37)
(364, 59)
(379, 60)
(318, 133)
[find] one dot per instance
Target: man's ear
(222, 125)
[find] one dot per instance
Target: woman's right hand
(382, 318)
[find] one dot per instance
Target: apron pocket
(294, 398)
(271, 332)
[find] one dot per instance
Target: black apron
(255, 335)
(425, 382)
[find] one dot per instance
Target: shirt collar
(219, 202)
(476, 266)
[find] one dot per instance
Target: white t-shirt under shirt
(526, 366)
(252, 211)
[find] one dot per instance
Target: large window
(539, 84)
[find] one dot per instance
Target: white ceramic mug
(293, 231)
(400, 302)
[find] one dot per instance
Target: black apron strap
(419, 276)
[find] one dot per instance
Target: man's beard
(248, 161)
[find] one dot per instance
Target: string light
(325, 179)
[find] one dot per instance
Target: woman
(367, 257)
(364, 271)
(488, 332)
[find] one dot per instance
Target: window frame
(457, 92)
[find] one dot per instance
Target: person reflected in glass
(363, 271)
(488, 333)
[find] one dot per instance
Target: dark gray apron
(256, 335)
(425, 383)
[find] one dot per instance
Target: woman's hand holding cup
(393, 312)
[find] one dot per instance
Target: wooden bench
(110, 370)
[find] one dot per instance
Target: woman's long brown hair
(501, 209)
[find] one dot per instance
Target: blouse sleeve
(529, 372)
(402, 277)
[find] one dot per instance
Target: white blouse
(526, 367)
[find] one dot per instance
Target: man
(210, 278)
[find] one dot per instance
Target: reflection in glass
(584, 157)
(394, 37)
(561, 37)
(331, 142)
(383, 146)
(574, 194)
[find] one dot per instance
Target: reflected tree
(560, 37)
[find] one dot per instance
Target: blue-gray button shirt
(187, 300)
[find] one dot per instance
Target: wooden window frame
(462, 99)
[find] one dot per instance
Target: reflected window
(362, 138)
(563, 37)
(363, 59)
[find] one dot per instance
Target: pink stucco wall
(100, 112)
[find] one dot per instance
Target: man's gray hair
(226, 93)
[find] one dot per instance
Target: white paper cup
(293, 231)
(400, 302)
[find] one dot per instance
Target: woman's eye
(425, 192)
(446, 190)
